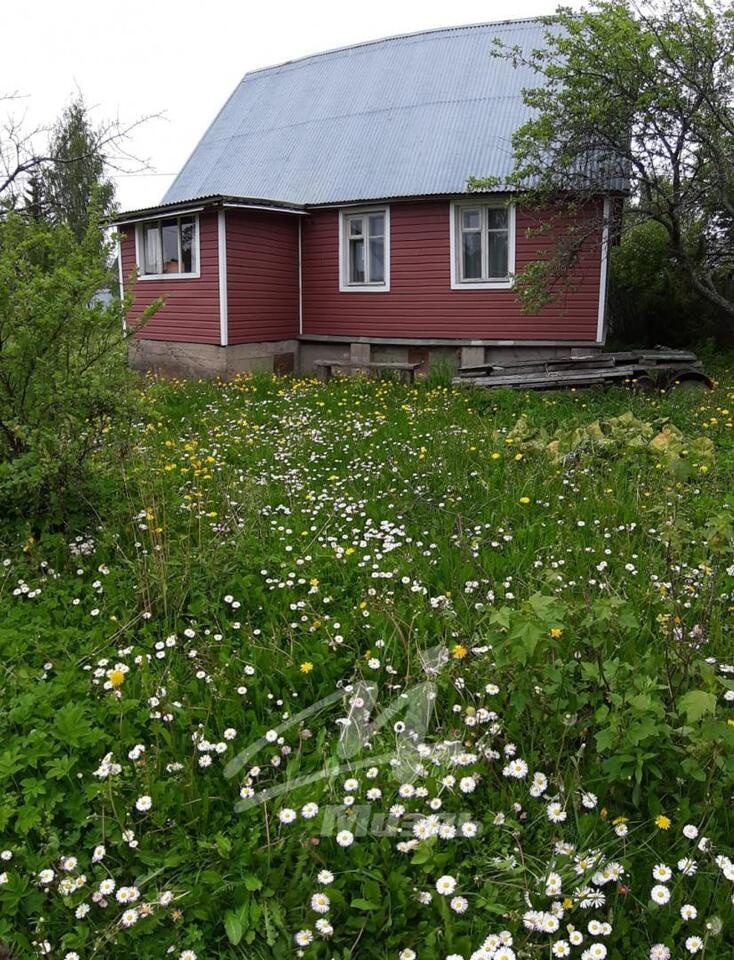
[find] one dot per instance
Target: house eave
(196, 205)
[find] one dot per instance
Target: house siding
(421, 303)
(262, 276)
(190, 313)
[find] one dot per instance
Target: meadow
(365, 670)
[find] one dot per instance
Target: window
(168, 248)
(483, 245)
(365, 250)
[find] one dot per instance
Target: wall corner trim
(604, 273)
(120, 275)
(222, 260)
(300, 279)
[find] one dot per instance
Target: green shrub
(652, 301)
(63, 375)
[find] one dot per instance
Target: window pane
(377, 224)
(471, 254)
(355, 227)
(377, 260)
(497, 255)
(497, 218)
(188, 247)
(356, 261)
(471, 219)
(169, 232)
(152, 251)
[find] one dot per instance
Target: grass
(544, 580)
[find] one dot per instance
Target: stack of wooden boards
(644, 369)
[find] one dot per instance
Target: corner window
(168, 248)
(482, 245)
(364, 254)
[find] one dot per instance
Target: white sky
(183, 58)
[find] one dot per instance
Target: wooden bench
(406, 371)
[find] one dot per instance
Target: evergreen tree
(76, 174)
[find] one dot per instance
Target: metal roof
(412, 115)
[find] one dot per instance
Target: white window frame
(345, 216)
(140, 248)
(457, 282)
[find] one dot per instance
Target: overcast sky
(183, 58)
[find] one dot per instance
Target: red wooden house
(325, 214)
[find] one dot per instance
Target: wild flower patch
(362, 670)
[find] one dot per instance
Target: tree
(651, 300)
(63, 370)
(77, 171)
(63, 374)
(639, 100)
(74, 152)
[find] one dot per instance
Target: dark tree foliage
(639, 97)
(652, 301)
(77, 172)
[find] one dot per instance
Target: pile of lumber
(645, 369)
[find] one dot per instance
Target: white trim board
(162, 215)
(604, 272)
(344, 285)
(300, 278)
(454, 210)
(222, 261)
(120, 276)
(233, 205)
(139, 252)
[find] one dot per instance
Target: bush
(63, 374)
(651, 301)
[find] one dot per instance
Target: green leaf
(233, 927)
(359, 904)
(523, 639)
(224, 845)
(696, 704)
(423, 852)
(252, 882)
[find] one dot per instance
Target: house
(325, 214)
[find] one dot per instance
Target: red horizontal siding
(420, 302)
(191, 309)
(262, 276)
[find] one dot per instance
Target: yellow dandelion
(662, 822)
(458, 652)
(306, 666)
(116, 678)
(555, 632)
(524, 499)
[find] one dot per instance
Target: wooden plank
(570, 378)
(372, 365)
(600, 362)
(650, 357)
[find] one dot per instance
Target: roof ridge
(390, 39)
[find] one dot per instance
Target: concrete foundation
(206, 360)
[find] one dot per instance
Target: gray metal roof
(412, 115)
